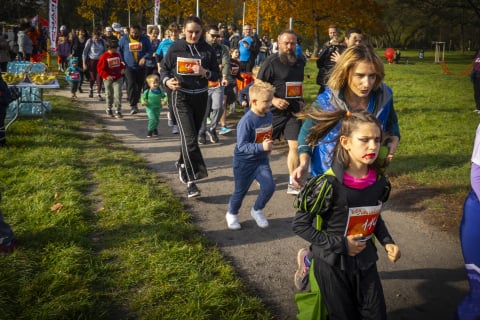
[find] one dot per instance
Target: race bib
(263, 133)
(363, 220)
(213, 84)
(135, 46)
(75, 75)
(113, 62)
(293, 90)
(235, 70)
(185, 66)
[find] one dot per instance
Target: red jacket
(110, 64)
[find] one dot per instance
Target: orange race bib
(185, 66)
(213, 84)
(293, 89)
(113, 62)
(263, 133)
(362, 220)
(135, 46)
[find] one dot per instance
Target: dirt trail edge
(426, 283)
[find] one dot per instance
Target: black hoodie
(200, 50)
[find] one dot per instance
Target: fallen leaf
(57, 206)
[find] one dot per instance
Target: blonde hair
(150, 78)
(255, 71)
(349, 59)
(260, 88)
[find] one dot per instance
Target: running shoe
(301, 275)
(259, 217)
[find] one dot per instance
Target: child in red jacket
(111, 68)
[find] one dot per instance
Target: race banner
(157, 11)
(53, 23)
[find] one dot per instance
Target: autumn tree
(310, 19)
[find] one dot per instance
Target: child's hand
(355, 244)
(267, 144)
(393, 252)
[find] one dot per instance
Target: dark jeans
(189, 110)
(244, 173)
(94, 76)
(74, 86)
(134, 77)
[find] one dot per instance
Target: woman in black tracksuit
(185, 70)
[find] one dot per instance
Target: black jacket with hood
(200, 50)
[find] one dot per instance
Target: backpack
(7, 94)
(256, 44)
(316, 196)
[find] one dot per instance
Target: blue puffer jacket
(381, 105)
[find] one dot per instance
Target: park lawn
(122, 246)
(117, 244)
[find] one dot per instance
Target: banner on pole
(53, 23)
(157, 11)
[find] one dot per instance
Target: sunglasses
(214, 35)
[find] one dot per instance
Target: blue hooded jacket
(381, 105)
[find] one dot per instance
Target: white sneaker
(291, 189)
(259, 217)
(232, 221)
(175, 129)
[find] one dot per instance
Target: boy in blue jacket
(251, 156)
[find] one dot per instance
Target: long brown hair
(348, 60)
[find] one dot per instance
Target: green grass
(122, 246)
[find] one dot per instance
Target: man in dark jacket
(135, 48)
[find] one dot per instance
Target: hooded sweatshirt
(199, 51)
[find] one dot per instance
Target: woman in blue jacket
(349, 89)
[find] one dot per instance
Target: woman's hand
(173, 84)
